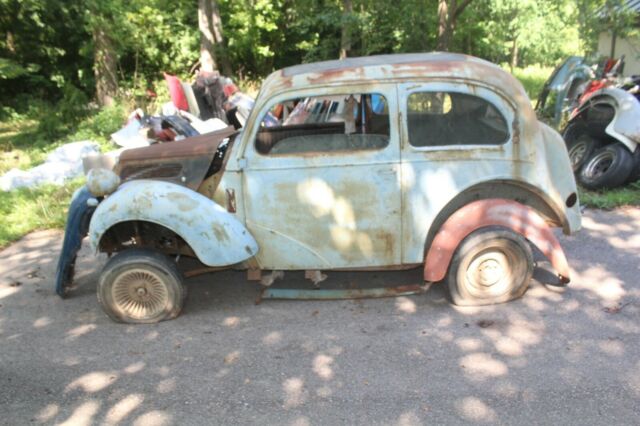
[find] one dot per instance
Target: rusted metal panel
(193, 146)
(183, 162)
(492, 212)
(216, 236)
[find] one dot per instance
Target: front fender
(216, 237)
(492, 212)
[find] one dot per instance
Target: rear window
(450, 118)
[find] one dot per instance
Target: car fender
(216, 236)
(625, 125)
(492, 212)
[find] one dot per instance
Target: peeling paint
(214, 235)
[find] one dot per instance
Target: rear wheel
(608, 167)
(141, 286)
(491, 265)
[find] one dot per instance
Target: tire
(634, 176)
(491, 265)
(580, 149)
(140, 286)
(608, 167)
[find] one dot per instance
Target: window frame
(489, 94)
(387, 90)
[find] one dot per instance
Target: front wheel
(140, 287)
(491, 265)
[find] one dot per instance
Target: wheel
(580, 145)
(491, 265)
(608, 167)
(141, 286)
(580, 150)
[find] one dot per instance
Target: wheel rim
(599, 165)
(490, 272)
(577, 153)
(140, 294)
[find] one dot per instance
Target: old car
(386, 162)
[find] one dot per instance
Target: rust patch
(220, 233)
(182, 201)
(509, 214)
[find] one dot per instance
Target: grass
(25, 210)
(609, 199)
(25, 143)
(533, 78)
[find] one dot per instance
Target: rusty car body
(398, 161)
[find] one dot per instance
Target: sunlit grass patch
(24, 210)
(611, 198)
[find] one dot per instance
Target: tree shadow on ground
(406, 360)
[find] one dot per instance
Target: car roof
(379, 60)
(398, 67)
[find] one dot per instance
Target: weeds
(611, 198)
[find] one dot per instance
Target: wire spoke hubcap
(140, 294)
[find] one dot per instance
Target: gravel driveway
(554, 357)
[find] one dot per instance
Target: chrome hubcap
(599, 165)
(140, 294)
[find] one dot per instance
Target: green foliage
(532, 78)
(609, 199)
(25, 210)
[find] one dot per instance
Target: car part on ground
(602, 138)
(561, 91)
(579, 144)
(492, 265)
(608, 167)
(141, 286)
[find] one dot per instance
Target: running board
(338, 294)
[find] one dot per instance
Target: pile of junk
(598, 113)
(213, 102)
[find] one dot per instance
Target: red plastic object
(177, 94)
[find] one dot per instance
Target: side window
(325, 124)
(450, 118)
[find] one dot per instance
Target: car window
(450, 118)
(325, 124)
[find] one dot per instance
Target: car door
(321, 188)
(455, 135)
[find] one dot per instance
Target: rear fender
(492, 212)
(625, 125)
(216, 236)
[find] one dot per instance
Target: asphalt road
(554, 357)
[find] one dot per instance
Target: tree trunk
(218, 34)
(212, 49)
(448, 13)
(207, 40)
(345, 42)
(514, 54)
(443, 25)
(105, 67)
